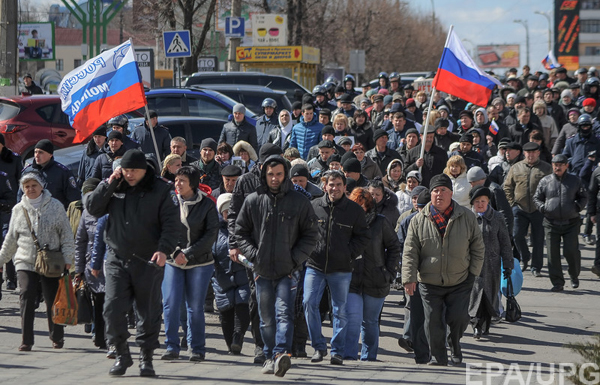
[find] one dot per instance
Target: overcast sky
(491, 22)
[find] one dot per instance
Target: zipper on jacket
(273, 238)
(331, 208)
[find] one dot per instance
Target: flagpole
(424, 133)
(153, 137)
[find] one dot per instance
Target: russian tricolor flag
(550, 61)
(459, 75)
(105, 86)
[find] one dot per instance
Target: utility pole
(526, 25)
(547, 16)
(9, 50)
(234, 42)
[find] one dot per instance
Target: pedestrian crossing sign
(177, 43)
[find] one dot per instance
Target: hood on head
(392, 164)
(485, 115)
(287, 183)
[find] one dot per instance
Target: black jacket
(244, 186)
(11, 164)
(560, 199)
(103, 166)
(344, 235)
(375, 271)
(388, 206)
(363, 134)
(500, 204)
(594, 192)
(444, 141)
(142, 135)
(276, 232)
(233, 133)
(199, 231)
(434, 162)
(59, 181)
(384, 159)
(520, 133)
(143, 219)
(88, 161)
(210, 174)
(264, 126)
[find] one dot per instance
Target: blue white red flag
(550, 61)
(458, 74)
(105, 86)
(494, 127)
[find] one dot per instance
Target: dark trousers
(300, 327)
(569, 233)
(597, 257)
(446, 307)
(126, 281)
(414, 326)
(522, 221)
(235, 321)
(99, 324)
(29, 282)
(254, 317)
(11, 274)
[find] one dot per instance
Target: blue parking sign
(234, 27)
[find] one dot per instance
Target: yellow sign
(278, 54)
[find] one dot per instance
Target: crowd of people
(311, 215)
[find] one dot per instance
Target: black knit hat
(45, 145)
(328, 130)
(347, 155)
(423, 198)
(334, 158)
(440, 180)
(479, 191)
(134, 158)
(210, 143)
(268, 149)
(115, 135)
(299, 170)
(100, 131)
(231, 170)
(90, 185)
(379, 133)
(352, 165)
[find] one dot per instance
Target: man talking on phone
(143, 228)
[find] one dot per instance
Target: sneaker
(535, 272)
(169, 355)
(591, 240)
(282, 364)
(197, 357)
(336, 359)
(268, 367)
(259, 355)
(596, 270)
(406, 344)
(318, 355)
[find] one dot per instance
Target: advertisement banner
(269, 29)
(498, 55)
(566, 33)
(36, 41)
(278, 54)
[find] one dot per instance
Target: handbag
(84, 303)
(49, 263)
(516, 277)
(64, 309)
(513, 310)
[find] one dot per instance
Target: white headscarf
(285, 130)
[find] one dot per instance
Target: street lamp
(524, 24)
(547, 16)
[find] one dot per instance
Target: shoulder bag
(49, 263)
(513, 310)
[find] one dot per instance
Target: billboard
(36, 41)
(498, 56)
(566, 33)
(269, 29)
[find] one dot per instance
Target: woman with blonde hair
(456, 169)
(341, 125)
(172, 163)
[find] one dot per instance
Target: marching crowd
(313, 214)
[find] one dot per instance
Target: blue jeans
(276, 310)
(522, 222)
(194, 283)
(363, 320)
(314, 285)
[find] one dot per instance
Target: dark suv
(293, 90)
(251, 96)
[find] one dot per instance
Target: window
(47, 112)
(177, 129)
(76, 63)
(60, 66)
(590, 26)
(165, 105)
(590, 4)
(201, 131)
(207, 108)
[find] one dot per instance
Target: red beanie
(589, 102)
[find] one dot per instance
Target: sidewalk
(550, 320)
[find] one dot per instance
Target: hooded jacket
(276, 232)
(344, 235)
(51, 227)
(388, 207)
(388, 182)
(281, 134)
(244, 186)
(103, 166)
(88, 161)
(150, 208)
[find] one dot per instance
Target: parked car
(193, 102)
(193, 129)
(251, 96)
(293, 89)
(25, 120)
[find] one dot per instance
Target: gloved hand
(507, 273)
